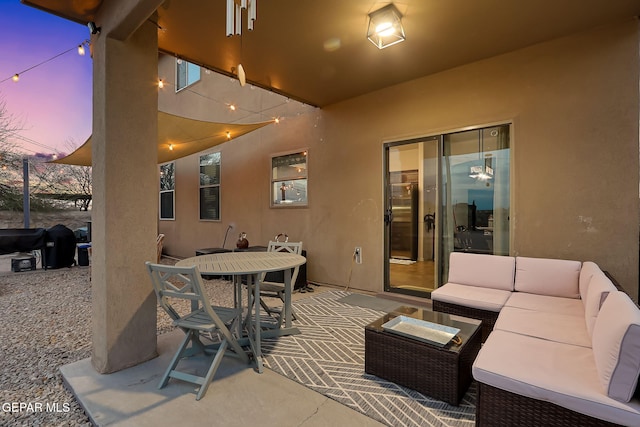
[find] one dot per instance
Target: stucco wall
(573, 103)
(245, 165)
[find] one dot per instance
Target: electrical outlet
(357, 254)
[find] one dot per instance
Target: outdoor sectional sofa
(562, 342)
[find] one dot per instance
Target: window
(210, 187)
(167, 190)
(187, 74)
(289, 180)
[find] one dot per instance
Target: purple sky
(51, 102)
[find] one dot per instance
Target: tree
(63, 182)
(10, 162)
(48, 183)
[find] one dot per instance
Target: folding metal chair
(277, 289)
(175, 286)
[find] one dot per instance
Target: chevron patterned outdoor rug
(328, 357)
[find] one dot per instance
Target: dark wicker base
(435, 372)
(499, 408)
(488, 317)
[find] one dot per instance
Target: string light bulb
(276, 120)
(15, 77)
(160, 83)
(232, 107)
(228, 135)
(170, 147)
(81, 49)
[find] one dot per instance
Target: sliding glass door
(411, 204)
(475, 199)
(444, 193)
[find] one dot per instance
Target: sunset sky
(51, 102)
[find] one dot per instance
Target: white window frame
(275, 183)
(191, 77)
(217, 185)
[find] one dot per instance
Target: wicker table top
(466, 325)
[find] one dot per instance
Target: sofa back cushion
(586, 272)
(599, 288)
(543, 276)
(487, 271)
(616, 346)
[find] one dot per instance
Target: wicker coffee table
(442, 372)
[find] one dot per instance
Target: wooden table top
(232, 263)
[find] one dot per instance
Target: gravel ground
(46, 323)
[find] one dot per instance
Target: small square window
(289, 179)
(186, 73)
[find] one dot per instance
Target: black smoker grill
(60, 247)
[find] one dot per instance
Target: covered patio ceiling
(317, 51)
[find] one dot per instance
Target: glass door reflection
(444, 193)
(411, 200)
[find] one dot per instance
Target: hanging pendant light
(482, 172)
(241, 75)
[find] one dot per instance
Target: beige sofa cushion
(555, 372)
(556, 327)
(553, 277)
(616, 346)
(544, 303)
(599, 288)
(586, 272)
(471, 296)
(487, 271)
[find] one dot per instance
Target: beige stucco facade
(574, 107)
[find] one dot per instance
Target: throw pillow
(616, 346)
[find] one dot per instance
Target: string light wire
(161, 84)
(32, 141)
(228, 105)
(12, 77)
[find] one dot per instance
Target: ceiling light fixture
(385, 27)
(234, 15)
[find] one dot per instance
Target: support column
(125, 198)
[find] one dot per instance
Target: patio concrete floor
(238, 396)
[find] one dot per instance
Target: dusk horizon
(51, 103)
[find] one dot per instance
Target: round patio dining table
(252, 265)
